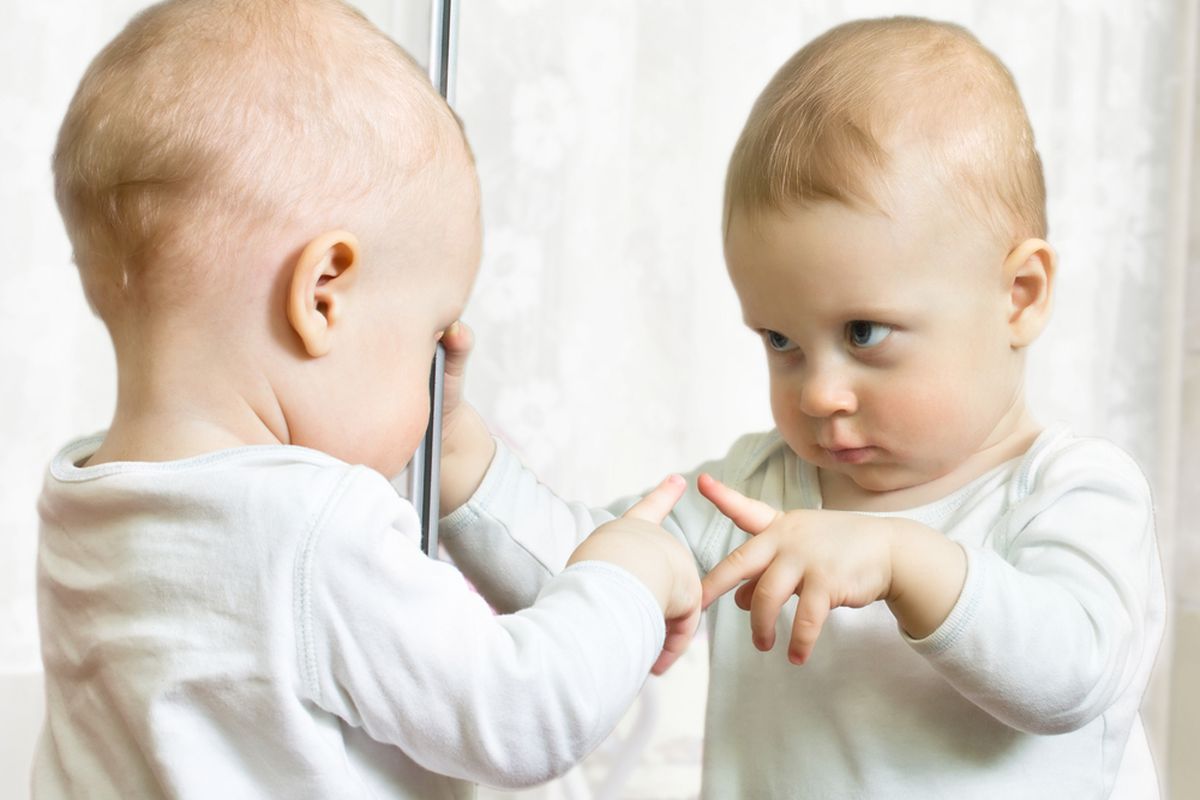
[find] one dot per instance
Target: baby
(885, 233)
(277, 218)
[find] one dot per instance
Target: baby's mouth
(850, 455)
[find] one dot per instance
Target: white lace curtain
(610, 347)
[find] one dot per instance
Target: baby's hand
(458, 341)
(467, 446)
(637, 542)
(828, 558)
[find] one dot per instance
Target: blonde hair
(204, 120)
(831, 120)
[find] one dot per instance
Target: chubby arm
(398, 644)
(1046, 629)
(514, 534)
(1060, 622)
(507, 532)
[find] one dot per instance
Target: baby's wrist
(465, 434)
(467, 453)
(927, 575)
(634, 552)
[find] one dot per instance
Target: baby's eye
(863, 333)
(778, 342)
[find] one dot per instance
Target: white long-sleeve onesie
(260, 622)
(1030, 688)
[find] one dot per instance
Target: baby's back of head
(209, 131)
(877, 100)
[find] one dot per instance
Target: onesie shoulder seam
(302, 593)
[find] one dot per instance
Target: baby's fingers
(812, 609)
(680, 633)
(774, 588)
(458, 341)
(747, 561)
(656, 505)
(752, 516)
(744, 595)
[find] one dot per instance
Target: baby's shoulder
(340, 502)
(1060, 462)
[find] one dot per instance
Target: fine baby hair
(205, 125)
(831, 121)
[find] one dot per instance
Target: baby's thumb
(656, 505)
(458, 340)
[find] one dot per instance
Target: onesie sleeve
(514, 532)
(399, 645)
(1063, 614)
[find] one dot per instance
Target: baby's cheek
(406, 442)
(400, 417)
(785, 406)
(927, 414)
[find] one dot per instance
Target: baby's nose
(826, 393)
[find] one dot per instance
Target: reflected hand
(827, 558)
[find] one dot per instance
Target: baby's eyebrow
(879, 311)
(867, 311)
(752, 325)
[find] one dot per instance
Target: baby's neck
(841, 493)
(166, 437)
(187, 404)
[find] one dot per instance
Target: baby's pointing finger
(752, 516)
(656, 505)
(747, 561)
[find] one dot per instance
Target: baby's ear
(321, 280)
(1029, 275)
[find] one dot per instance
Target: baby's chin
(875, 473)
(881, 480)
(899, 486)
(879, 473)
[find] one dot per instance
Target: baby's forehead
(875, 103)
(858, 242)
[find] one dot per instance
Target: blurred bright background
(610, 347)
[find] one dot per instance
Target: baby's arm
(1057, 623)
(514, 533)
(397, 644)
(505, 530)
(467, 446)
(1050, 628)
